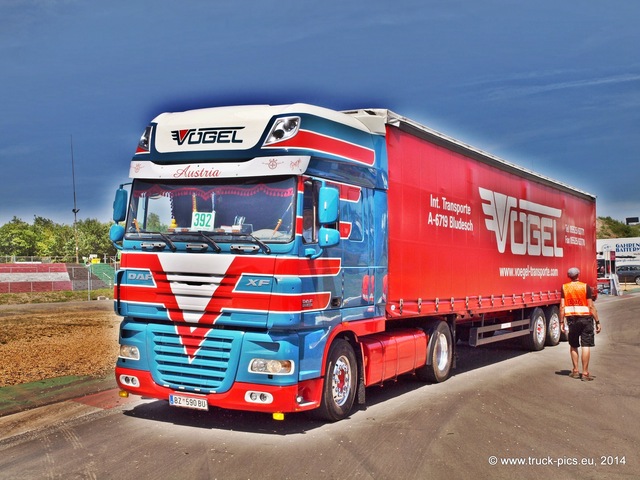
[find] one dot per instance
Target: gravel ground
(40, 341)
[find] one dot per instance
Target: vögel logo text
(529, 227)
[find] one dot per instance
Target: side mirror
(328, 203)
(328, 237)
(120, 205)
(116, 234)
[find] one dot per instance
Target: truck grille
(212, 369)
(193, 292)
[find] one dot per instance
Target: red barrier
(34, 277)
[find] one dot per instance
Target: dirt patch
(41, 341)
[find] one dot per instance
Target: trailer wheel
(440, 355)
(339, 389)
(553, 327)
(538, 331)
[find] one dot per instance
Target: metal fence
(30, 274)
(18, 259)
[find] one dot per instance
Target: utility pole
(75, 207)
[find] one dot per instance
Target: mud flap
(360, 396)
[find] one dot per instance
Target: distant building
(626, 249)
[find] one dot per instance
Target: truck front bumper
(305, 395)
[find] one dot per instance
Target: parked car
(628, 273)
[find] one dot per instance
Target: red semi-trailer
(324, 252)
(477, 237)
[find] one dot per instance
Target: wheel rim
(540, 329)
(341, 381)
(441, 352)
(554, 327)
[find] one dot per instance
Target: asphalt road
(505, 413)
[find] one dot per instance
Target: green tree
(93, 238)
(154, 224)
(53, 239)
(46, 238)
(17, 238)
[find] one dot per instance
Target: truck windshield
(262, 207)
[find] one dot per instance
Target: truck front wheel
(440, 355)
(339, 389)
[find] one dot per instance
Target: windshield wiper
(165, 238)
(208, 240)
(247, 236)
(263, 245)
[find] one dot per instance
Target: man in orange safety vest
(577, 309)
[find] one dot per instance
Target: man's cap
(573, 272)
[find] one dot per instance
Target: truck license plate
(183, 401)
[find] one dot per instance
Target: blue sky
(552, 86)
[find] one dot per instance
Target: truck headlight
(271, 367)
(129, 352)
